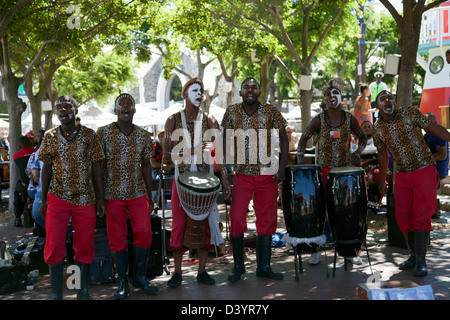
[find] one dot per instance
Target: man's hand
(100, 207)
(383, 187)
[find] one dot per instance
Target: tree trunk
(409, 44)
(305, 107)
(15, 109)
(265, 80)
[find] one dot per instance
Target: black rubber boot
(237, 245)
(411, 262)
(83, 292)
(421, 244)
(140, 273)
(121, 260)
(56, 280)
(263, 254)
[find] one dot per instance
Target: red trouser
(116, 221)
(56, 222)
(264, 191)
(415, 195)
(179, 224)
(325, 171)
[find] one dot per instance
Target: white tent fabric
(4, 125)
(295, 113)
(144, 116)
(94, 117)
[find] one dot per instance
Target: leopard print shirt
(403, 136)
(122, 171)
(334, 152)
(265, 118)
(203, 167)
(71, 162)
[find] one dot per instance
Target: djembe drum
(347, 209)
(198, 192)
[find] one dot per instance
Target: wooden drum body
(304, 204)
(347, 209)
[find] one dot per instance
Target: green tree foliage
(98, 79)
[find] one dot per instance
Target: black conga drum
(303, 199)
(347, 209)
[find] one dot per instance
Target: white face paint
(333, 98)
(195, 94)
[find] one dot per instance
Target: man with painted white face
(127, 176)
(71, 156)
(416, 176)
(193, 121)
(259, 177)
(334, 128)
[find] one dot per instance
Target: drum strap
(213, 215)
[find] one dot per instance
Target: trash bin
(395, 236)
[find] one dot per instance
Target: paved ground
(315, 283)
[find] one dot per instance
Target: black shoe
(422, 238)
(410, 243)
(205, 278)
(175, 281)
(83, 292)
(263, 255)
(140, 278)
(17, 222)
(237, 244)
(56, 280)
(121, 260)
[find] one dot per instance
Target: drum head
(199, 181)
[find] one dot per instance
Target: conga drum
(347, 209)
(198, 192)
(303, 199)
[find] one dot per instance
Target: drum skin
(198, 190)
(347, 209)
(303, 199)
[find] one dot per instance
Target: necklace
(68, 133)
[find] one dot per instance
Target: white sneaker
(354, 260)
(314, 258)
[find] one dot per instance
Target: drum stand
(161, 204)
(337, 241)
(299, 264)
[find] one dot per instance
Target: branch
(324, 33)
(285, 69)
(6, 19)
(285, 35)
(433, 4)
(397, 17)
(36, 58)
